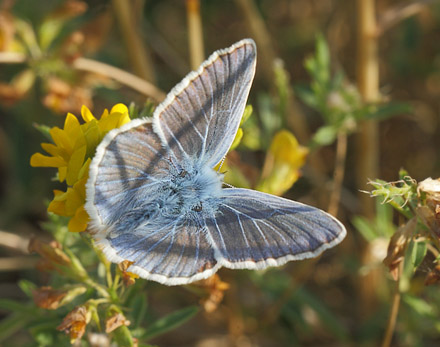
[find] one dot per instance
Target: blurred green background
(344, 297)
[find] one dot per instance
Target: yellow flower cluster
(283, 161)
(71, 152)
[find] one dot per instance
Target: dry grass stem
(121, 76)
(137, 52)
(399, 13)
(338, 174)
(195, 33)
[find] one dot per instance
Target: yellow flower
(283, 161)
(71, 153)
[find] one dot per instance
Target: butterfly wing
(124, 169)
(123, 175)
(254, 230)
(201, 115)
(172, 255)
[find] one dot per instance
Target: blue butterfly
(154, 198)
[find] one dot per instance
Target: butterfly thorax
(191, 191)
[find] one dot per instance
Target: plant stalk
(93, 66)
(137, 52)
(393, 312)
(338, 174)
(121, 76)
(368, 85)
(195, 33)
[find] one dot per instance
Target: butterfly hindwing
(255, 230)
(175, 254)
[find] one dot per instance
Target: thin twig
(93, 66)
(338, 174)
(121, 76)
(17, 263)
(393, 312)
(195, 34)
(14, 241)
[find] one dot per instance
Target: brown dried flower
(51, 254)
(128, 277)
(115, 322)
(48, 298)
(215, 288)
(75, 323)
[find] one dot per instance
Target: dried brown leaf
(433, 276)
(397, 246)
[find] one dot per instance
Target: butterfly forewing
(126, 167)
(201, 115)
(256, 230)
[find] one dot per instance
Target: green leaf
(418, 253)
(13, 323)
(170, 322)
(123, 337)
(384, 219)
(283, 88)
(246, 114)
(14, 306)
(322, 53)
(307, 96)
(43, 325)
(324, 136)
(329, 320)
(270, 119)
(419, 305)
(139, 306)
(318, 65)
(387, 110)
(408, 268)
(45, 130)
(365, 228)
(27, 287)
(48, 31)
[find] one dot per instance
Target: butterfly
(155, 199)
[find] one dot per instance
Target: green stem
(99, 288)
